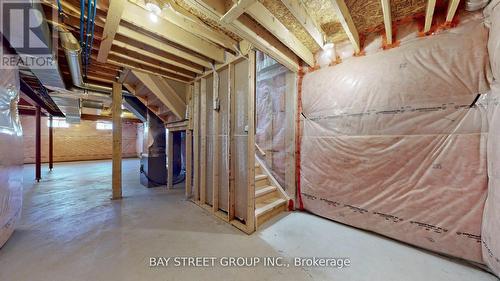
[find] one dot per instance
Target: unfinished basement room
(344, 140)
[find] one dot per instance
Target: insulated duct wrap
(11, 153)
(491, 218)
(390, 142)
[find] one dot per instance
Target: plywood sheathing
(368, 17)
(207, 20)
(280, 11)
(366, 14)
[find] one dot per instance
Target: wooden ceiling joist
(148, 52)
(347, 23)
(452, 9)
(199, 28)
(140, 57)
(265, 42)
(264, 17)
(171, 32)
(237, 10)
(296, 7)
(253, 33)
(386, 10)
(118, 60)
(108, 78)
(152, 67)
(429, 14)
(113, 18)
(163, 91)
(138, 39)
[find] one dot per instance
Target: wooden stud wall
(212, 188)
(203, 140)
(196, 140)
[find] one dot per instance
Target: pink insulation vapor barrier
(491, 219)
(395, 142)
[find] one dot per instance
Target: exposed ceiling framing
(191, 37)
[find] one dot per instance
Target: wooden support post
(216, 143)
(203, 139)
(116, 111)
(196, 141)
(170, 159)
(250, 223)
(51, 144)
(189, 162)
(232, 148)
(38, 145)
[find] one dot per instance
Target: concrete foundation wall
(78, 142)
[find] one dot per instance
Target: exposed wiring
(82, 21)
(92, 32)
(86, 37)
(88, 11)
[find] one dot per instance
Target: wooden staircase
(270, 198)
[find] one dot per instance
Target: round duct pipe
(92, 104)
(73, 52)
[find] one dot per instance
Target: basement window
(104, 126)
(58, 123)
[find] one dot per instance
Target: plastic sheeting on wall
(274, 98)
(391, 143)
(11, 151)
(491, 218)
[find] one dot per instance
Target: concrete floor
(70, 230)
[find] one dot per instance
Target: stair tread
(268, 205)
(260, 177)
(264, 190)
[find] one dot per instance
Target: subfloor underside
(71, 230)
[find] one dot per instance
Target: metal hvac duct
(73, 52)
(93, 104)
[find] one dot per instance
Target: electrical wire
(89, 58)
(59, 9)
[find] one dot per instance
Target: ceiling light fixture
(154, 8)
(153, 17)
(328, 46)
